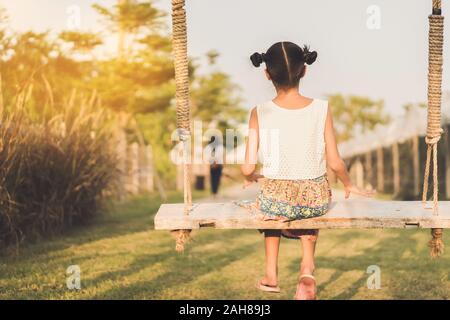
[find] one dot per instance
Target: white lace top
(292, 142)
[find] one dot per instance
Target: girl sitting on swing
(294, 164)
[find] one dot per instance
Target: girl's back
(292, 143)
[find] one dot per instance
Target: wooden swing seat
(362, 214)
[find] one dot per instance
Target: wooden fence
(135, 164)
(398, 169)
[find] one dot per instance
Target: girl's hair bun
(310, 56)
(257, 59)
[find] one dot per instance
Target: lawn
(121, 257)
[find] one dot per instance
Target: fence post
(145, 169)
(396, 167)
(179, 179)
(133, 169)
(369, 169)
(416, 165)
(359, 171)
(121, 150)
(150, 172)
(380, 169)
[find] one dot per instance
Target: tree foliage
(355, 114)
(131, 16)
(81, 41)
(138, 80)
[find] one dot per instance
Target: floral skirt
(294, 200)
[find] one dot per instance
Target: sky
(375, 48)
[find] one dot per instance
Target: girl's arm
(251, 150)
(335, 162)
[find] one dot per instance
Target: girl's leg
(309, 246)
(308, 238)
(306, 288)
(272, 245)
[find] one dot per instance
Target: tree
(139, 85)
(215, 97)
(81, 42)
(130, 18)
(353, 113)
(212, 57)
(407, 107)
(35, 62)
(140, 80)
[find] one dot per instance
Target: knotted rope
(437, 4)
(179, 34)
(434, 130)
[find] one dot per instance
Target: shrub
(54, 169)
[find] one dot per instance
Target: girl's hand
(252, 178)
(359, 191)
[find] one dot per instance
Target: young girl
(295, 138)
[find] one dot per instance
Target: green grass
(121, 257)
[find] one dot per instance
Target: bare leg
(309, 246)
(306, 289)
(272, 245)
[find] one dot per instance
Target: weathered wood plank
(364, 214)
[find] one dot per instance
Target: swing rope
(179, 30)
(434, 130)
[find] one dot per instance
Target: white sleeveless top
(292, 142)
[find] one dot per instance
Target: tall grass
(55, 166)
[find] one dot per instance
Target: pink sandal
(267, 288)
(305, 282)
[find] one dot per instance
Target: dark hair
(285, 62)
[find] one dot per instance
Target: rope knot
(434, 138)
(436, 243)
(182, 237)
(183, 134)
